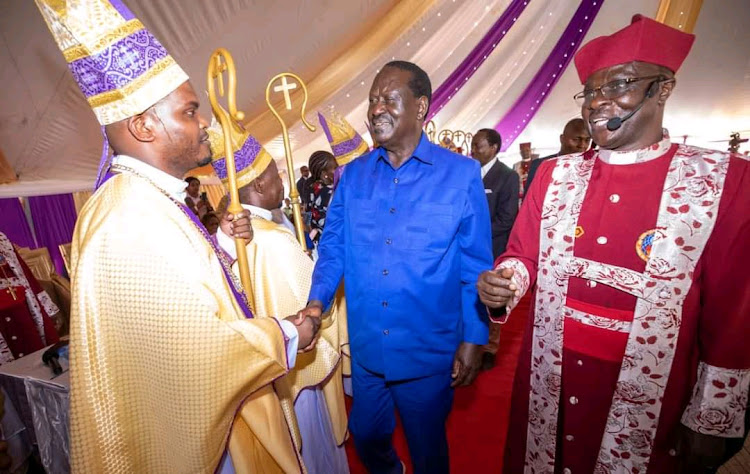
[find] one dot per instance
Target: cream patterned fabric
(281, 275)
(161, 355)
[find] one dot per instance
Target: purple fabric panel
(54, 219)
(243, 157)
(14, 225)
(337, 176)
(104, 162)
(476, 57)
(348, 146)
(324, 124)
(124, 11)
(119, 64)
(524, 109)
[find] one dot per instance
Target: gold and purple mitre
(250, 158)
(346, 143)
(121, 68)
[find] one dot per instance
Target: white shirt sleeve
(290, 331)
(227, 243)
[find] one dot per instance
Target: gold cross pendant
(12, 292)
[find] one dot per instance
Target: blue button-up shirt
(410, 244)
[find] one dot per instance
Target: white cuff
(47, 303)
(292, 343)
(719, 401)
(226, 243)
(521, 279)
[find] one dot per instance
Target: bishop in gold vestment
(161, 354)
(163, 349)
(312, 393)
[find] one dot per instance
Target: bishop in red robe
(25, 308)
(635, 358)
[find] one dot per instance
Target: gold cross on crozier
(285, 87)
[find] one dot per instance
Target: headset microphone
(616, 122)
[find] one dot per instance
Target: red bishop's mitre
(644, 40)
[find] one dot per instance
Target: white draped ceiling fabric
(52, 140)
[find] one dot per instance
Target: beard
(207, 157)
(204, 161)
(191, 157)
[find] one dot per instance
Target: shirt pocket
(361, 221)
(431, 227)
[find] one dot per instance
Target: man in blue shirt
(408, 228)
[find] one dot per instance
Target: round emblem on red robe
(644, 243)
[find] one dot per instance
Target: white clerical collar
(486, 167)
(259, 212)
(174, 187)
(636, 156)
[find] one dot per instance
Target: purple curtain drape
(523, 110)
(14, 225)
(443, 94)
(54, 219)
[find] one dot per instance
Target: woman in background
(194, 199)
(322, 166)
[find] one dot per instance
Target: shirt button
(13, 338)
(385, 332)
(591, 284)
(393, 210)
(385, 304)
(601, 240)
(20, 354)
(579, 362)
(395, 180)
(573, 401)
(388, 241)
(673, 452)
(567, 471)
(569, 437)
(385, 272)
(614, 198)
(7, 319)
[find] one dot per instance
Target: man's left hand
(237, 225)
(466, 364)
(700, 453)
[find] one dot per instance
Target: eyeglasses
(612, 90)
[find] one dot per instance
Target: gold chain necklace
(223, 260)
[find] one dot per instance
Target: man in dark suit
(303, 185)
(500, 186)
(501, 189)
(574, 139)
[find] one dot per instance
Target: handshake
(308, 322)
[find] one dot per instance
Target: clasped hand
(496, 287)
(308, 321)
